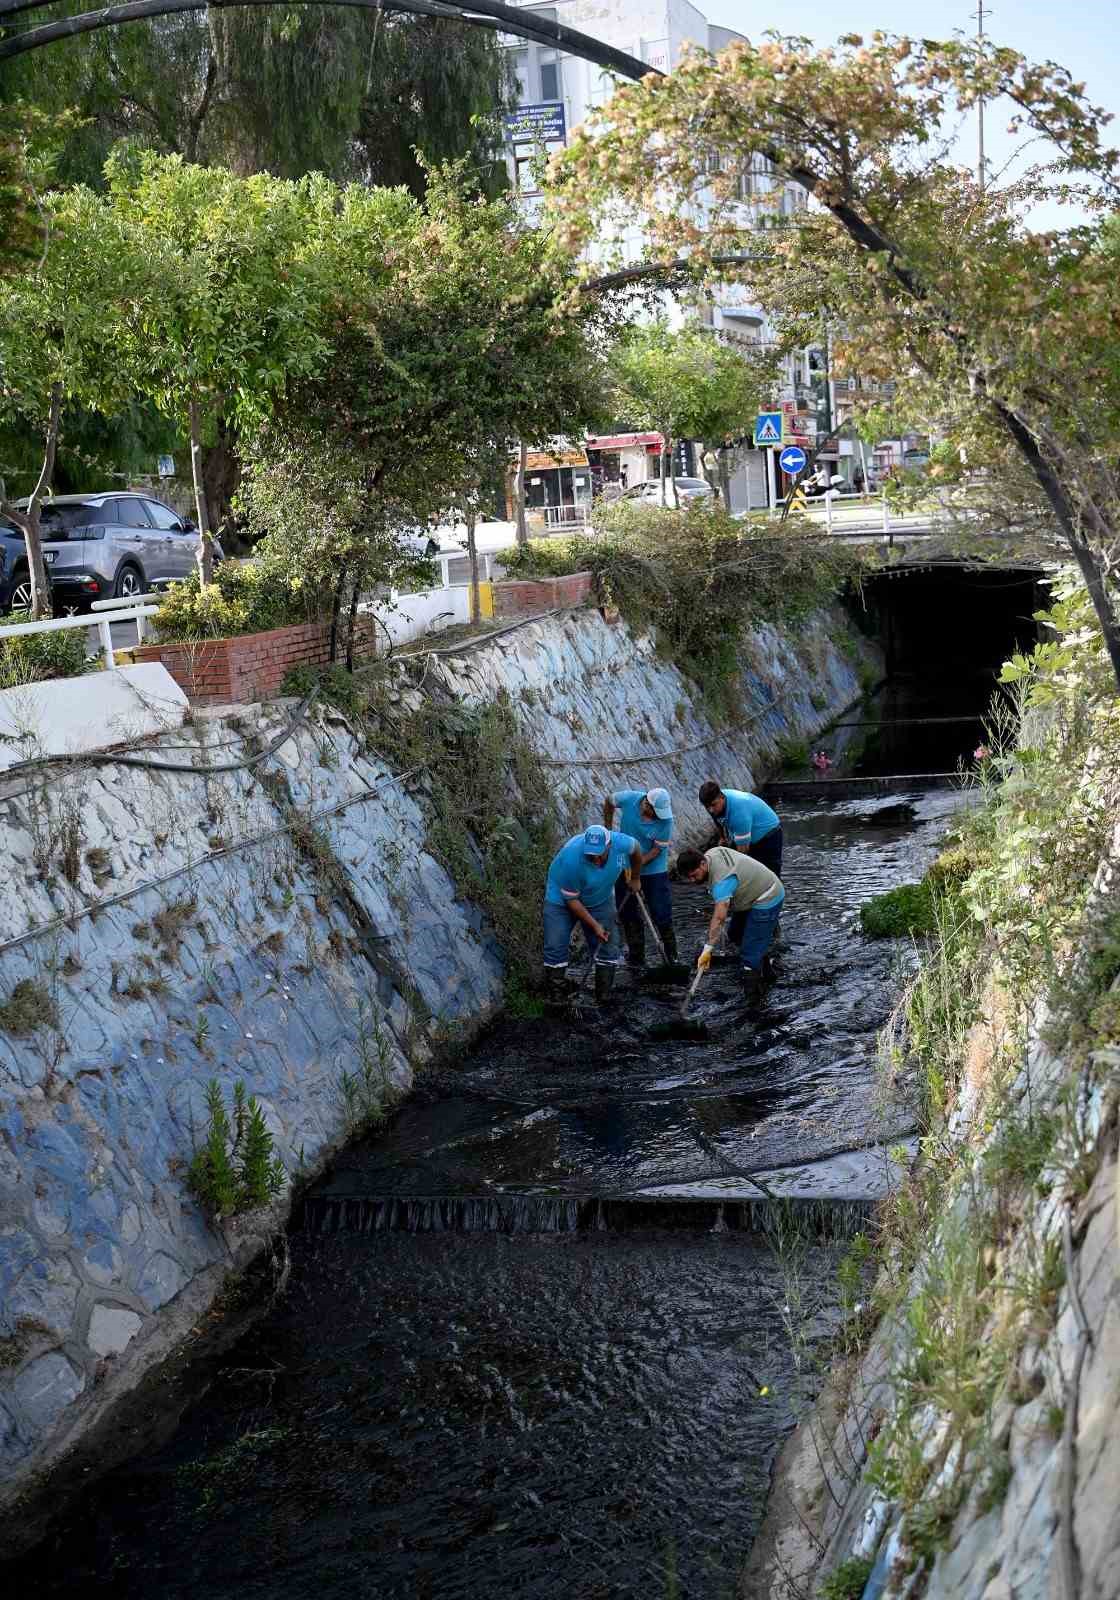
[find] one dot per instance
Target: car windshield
(58, 522)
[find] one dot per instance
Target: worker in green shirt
(747, 893)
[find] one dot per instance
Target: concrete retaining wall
(158, 930)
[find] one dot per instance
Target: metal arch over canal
(481, 13)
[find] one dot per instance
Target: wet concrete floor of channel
(542, 1336)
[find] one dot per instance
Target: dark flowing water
(544, 1336)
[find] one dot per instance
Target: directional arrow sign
(768, 427)
(792, 459)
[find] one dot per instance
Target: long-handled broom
(668, 971)
(685, 1027)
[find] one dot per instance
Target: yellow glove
(634, 881)
(704, 959)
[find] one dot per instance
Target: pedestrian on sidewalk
(747, 893)
(744, 822)
(580, 889)
(647, 816)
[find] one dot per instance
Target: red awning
(622, 441)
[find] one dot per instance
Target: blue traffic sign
(768, 427)
(792, 459)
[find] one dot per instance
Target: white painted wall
(66, 716)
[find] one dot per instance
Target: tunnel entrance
(945, 631)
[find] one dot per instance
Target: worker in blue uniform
(744, 822)
(580, 889)
(647, 816)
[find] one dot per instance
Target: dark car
(112, 544)
(15, 584)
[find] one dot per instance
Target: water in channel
(542, 1336)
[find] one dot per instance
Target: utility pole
(981, 175)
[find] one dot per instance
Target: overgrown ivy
(493, 822)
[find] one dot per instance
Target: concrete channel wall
(1029, 1510)
(158, 930)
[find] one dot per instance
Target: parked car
(15, 584)
(112, 544)
(649, 493)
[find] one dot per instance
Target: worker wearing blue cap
(647, 815)
(580, 888)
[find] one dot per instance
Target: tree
(466, 338)
(57, 343)
(352, 94)
(239, 291)
(687, 385)
(924, 269)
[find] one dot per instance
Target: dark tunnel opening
(945, 632)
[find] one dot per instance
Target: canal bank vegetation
(1009, 1035)
(698, 580)
(492, 817)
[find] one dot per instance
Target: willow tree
(346, 92)
(923, 268)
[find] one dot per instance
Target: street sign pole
(771, 481)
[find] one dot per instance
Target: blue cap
(595, 841)
(662, 805)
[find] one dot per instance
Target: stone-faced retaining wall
(168, 929)
(250, 666)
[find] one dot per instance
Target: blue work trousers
(768, 850)
(753, 932)
(658, 899)
(558, 925)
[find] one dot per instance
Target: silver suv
(114, 544)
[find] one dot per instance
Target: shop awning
(622, 441)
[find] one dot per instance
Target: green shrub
(909, 909)
(697, 579)
(848, 1580)
(237, 1168)
(38, 656)
(248, 597)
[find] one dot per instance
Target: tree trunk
(205, 538)
(472, 556)
(27, 520)
(666, 462)
(522, 525)
(724, 478)
(336, 609)
(221, 479)
(1065, 513)
(351, 623)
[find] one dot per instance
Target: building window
(550, 78)
(519, 60)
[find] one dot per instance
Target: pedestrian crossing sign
(768, 427)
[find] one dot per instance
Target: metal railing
(558, 517)
(135, 609)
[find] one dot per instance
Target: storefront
(556, 483)
(620, 460)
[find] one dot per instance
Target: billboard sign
(538, 124)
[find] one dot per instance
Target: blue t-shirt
(574, 875)
(746, 819)
(629, 802)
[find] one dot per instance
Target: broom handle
(636, 894)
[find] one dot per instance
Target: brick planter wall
(522, 598)
(251, 666)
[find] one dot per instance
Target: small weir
(822, 1217)
(544, 1334)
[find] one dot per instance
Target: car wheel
(129, 582)
(20, 599)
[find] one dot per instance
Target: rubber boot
(752, 986)
(669, 940)
(556, 991)
(635, 936)
(604, 983)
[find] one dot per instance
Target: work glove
(704, 959)
(634, 882)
